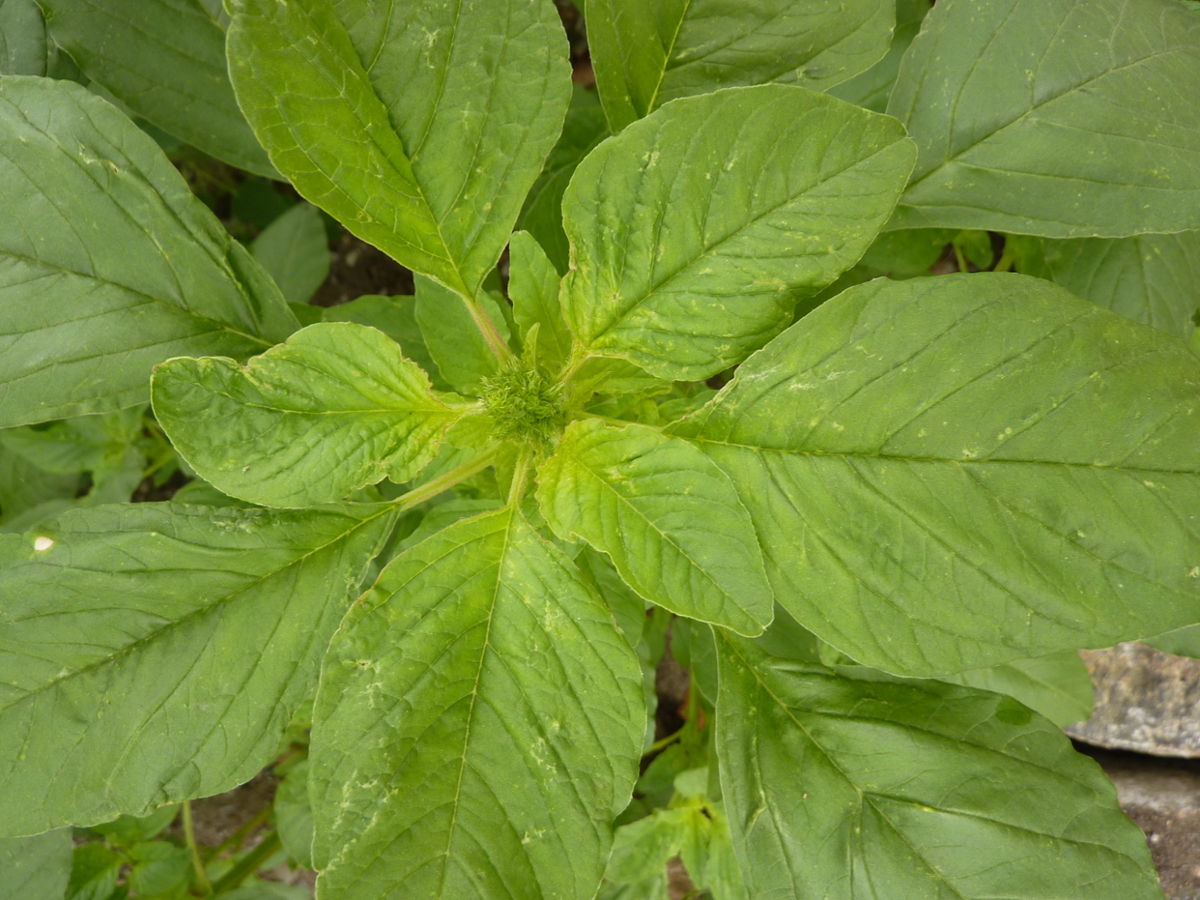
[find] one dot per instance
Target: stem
(444, 482)
(962, 260)
(666, 742)
(246, 866)
(189, 834)
(520, 476)
(234, 841)
(1006, 261)
(488, 329)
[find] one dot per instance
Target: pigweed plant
(879, 514)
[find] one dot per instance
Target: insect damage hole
(42, 543)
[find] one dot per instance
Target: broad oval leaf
(1062, 118)
(154, 652)
(35, 868)
(165, 60)
(335, 408)
(477, 728)
(842, 787)
(421, 126)
(949, 473)
(108, 263)
(669, 519)
(696, 229)
(646, 54)
(1150, 278)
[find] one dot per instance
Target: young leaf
(541, 216)
(295, 251)
(460, 350)
(669, 519)
(95, 868)
(164, 59)
(1150, 278)
(419, 126)
(696, 229)
(533, 287)
(159, 867)
(23, 49)
(1057, 686)
(109, 263)
(1053, 117)
(646, 54)
(949, 473)
(152, 653)
(35, 868)
(485, 686)
(840, 787)
(335, 408)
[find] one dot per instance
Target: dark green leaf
(419, 126)
(23, 45)
(838, 787)
(152, 653)
(24, 486)
(1150, 278)
(159, 867)
(695, 231)
(293, 815)
(108, 263)
(293, 249)
(486, 687)
(335, 408)
(541, 216)
(165, 60)
(94, 871)
(668, 518)
(646, 54)
(1180, 642)
(872, 88)
(35, 868)
(1053, 117)
(949, 473)
(129, 830)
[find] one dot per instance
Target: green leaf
(872, 88)
(695, 231)
(94, 871)
(108, 263)
(158, 867)
(458, 347)
(335, 408)
(24, 486)
(950, 473)
(154, 652)
(1053, 117)
(584, 128)
(533, 288)
(641, 849)
(1151, 278)
(23, 49)
(397, 318)
(293, 815)
(419, 126)
(129, 830)
(485, 685)
(646, 54)
(1057, 686)
(165, 60)
(668, 518)
(35, 868)
(77, 445)
(840, 787)
(1180, 642)
(294, 250)
(628, 608)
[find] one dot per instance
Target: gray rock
(1145, 700)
